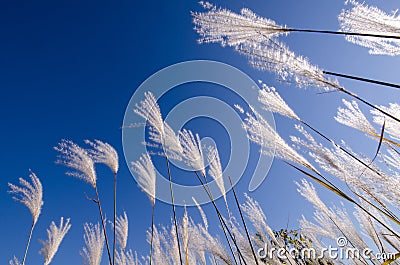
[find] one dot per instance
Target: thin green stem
(29, 242)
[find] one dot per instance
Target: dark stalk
(342, 89)
(362, 79)
(102, 223)
(223, 228)
(342, 33)
(152, 232)
(173, 207)
(220, 216)
(244, 223)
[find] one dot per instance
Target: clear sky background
(69, 68)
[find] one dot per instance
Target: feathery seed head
(104, 153)
(274, 56)
(122, 258)
(215, 169)
(369, 19)
(228, 28)
(149, 110)
(94, 242)
(77, 158)
(272, 101)
(307, 190)
(262, 133)
(31, 195)
(203, 215)
(121, 229)
(392, 127)
(55, 236)
(146, 175)
(353, 117)
(393, 159)
(192, 150)
(14, 261)
(170, 142)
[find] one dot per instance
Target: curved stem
(29, 242)
(102, 224)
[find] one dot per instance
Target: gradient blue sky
(69, 68)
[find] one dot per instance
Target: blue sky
(69, 68)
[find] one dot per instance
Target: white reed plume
(126, 258)
(370, 181)
(55, 235)
(369, 19)
(185, 235)
(121, 230)
(203, 215)
(215, 170)
(159, 256)
(353, 117)
(262, 133)
(77, 158)
(229, 28)
(307, 190)
(258, 219)
(212, 245)
(393, 159)
(14, 261)
(104, 153)
(169, 141)
(146, 175)
(392, 127)
(274, 56)
(94, 242)
(333, 222)
(31, 195)
(272, 101)
(367, 224)
(149, 110)
(192, 150)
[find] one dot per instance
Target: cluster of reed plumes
(372, 184)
